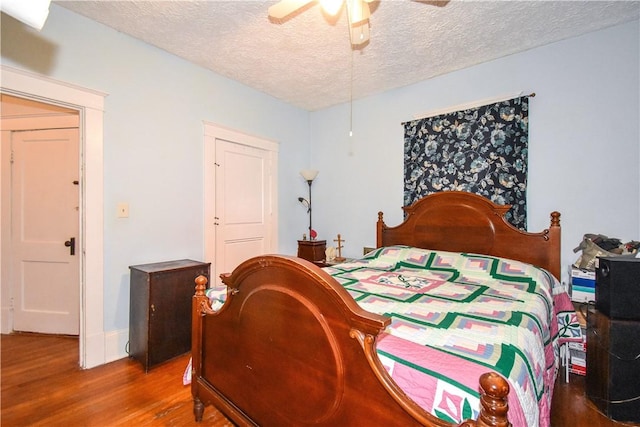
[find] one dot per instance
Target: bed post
(380, 226)
(199, 300)
(493, 401)
(554, 237)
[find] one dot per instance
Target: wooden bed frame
(463, 222)
(290, 347)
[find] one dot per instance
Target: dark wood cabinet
(312, 250)
(160, 309)
(613, 367)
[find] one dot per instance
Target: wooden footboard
(290, 347)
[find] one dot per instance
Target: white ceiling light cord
(351, 98)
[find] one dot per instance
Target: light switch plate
(123, 210)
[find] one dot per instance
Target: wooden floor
(571, 406)
(43, 386)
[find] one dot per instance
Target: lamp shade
(309, 174)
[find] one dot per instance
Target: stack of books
(583, 285)
(578, 350)
(578, 358)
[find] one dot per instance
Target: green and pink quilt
(456, 316)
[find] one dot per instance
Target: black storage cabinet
(613, 339)
(160, 309)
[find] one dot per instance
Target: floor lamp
(309, 175)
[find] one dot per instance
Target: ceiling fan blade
(286, 7)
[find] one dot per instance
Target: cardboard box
(578, 355)
(582, 295)
(577, 369)
(577, 361)
(583, 285)
(578, 346)
(583, 274)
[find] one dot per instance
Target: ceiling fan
(358, 13)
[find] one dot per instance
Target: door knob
(71, 244)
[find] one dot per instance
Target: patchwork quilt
(456, 316)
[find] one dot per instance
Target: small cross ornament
(339, 240)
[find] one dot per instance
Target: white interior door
(44, 243)
(242, 204)
(240, 199)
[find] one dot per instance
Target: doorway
(93, 350)
(42, 143)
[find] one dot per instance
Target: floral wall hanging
(481, 150)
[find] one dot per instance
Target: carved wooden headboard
(459, 221)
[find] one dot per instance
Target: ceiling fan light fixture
(358, 11)
(358, 14)
(332, 7)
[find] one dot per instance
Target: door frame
(90, 106)
(212, 133)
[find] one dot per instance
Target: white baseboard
(94, 351)
(115, 345)
(6, 320)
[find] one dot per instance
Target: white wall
(153, 139)
(583, 146)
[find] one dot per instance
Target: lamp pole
(309, 181)
(309, 175)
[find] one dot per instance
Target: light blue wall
(584, 140)
(153, 139)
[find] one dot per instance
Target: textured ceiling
(307, 60)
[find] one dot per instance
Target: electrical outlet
(123, 210)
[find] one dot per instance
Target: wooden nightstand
(312, 250)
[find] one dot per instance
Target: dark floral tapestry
(481, 150)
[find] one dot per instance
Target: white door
(44, 243)
(240, 200)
